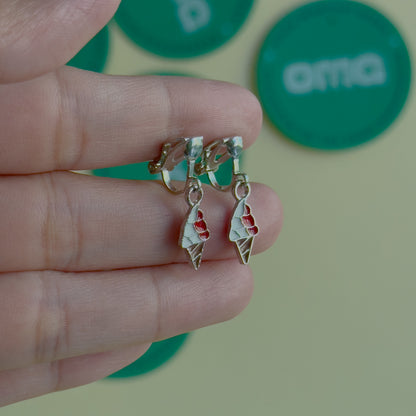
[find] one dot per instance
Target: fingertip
(218, 108)
(247, 109)
(241, 295)
(270, 220)
(217, 292)
(234, 283)
(252, 112)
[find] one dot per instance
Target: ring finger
(47, 316)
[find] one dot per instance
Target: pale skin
(91, 272)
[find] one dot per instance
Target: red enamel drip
(201, 227)
(247, 209)
(204, 236)
(253, 230)
(248, 221)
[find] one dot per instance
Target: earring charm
(194, 231)
(243, 226)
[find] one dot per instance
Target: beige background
(330, 330)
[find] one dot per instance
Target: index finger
(75, 120)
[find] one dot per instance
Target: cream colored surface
(330, 330)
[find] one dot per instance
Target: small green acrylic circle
(93, 56)
(158, 354)
(182, 28)
(333, 74)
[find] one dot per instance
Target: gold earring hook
(218, 153)
(189, 149)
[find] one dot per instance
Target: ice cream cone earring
(194, 232)
(243, 226)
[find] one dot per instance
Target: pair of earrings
(194, 231)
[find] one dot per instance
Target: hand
(91, 272)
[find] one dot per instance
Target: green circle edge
(156, 356)
(376, 129)
(103, 39)
(149, 45)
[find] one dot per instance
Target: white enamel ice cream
(194, 235)
(243, 230)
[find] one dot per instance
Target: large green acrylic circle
(333, 74)
(182, 28)
(93, 56)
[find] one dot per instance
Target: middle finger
(71, 222)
